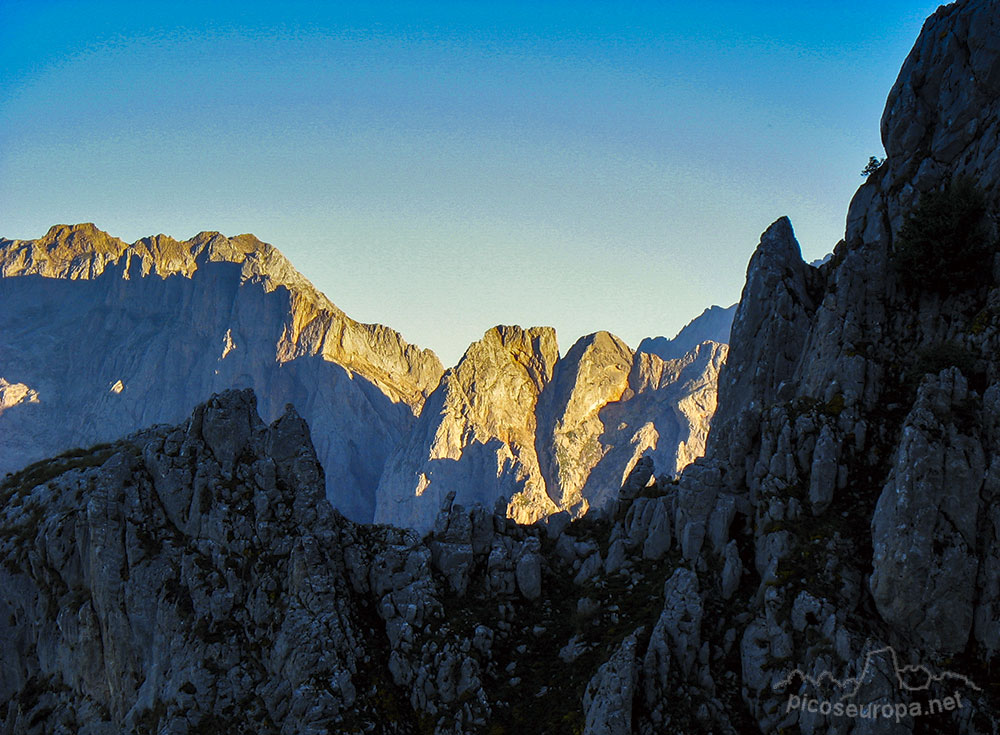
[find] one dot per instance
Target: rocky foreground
(832, 565)
(194, 579)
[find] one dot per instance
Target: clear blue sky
(443, 167)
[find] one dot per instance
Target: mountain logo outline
(853, 684)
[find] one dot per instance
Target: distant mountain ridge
(77, 252)
(514, 422)
(844, 518)
(712, 325)
(105, 337)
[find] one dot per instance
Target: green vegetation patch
(946, 244)
(41, 472)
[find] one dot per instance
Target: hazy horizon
(443, 168)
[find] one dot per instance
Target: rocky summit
(830, 565)
(102, 338)
(515, 423)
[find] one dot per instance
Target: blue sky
(444, 167)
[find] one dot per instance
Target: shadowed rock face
(109, 337)
(192, 579)
(592, 374)
(186, 583)
(104, 337)
(562, 435)
(712, 325)
(840, 535)
(476, 435)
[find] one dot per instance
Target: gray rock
(138, 334)
(823, 477)
(616, 558)
(924, 526)
(607, 700)
(591, 566)
(557, 523)
(680, 621)
(529, 575)
(732, 570)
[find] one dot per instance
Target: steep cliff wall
(831, 564)
(513, 421)
(107, 337)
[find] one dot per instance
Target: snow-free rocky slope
(191, 579)
(513, 421)
(712, 325)
(101, 337)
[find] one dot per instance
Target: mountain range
(102, 337)
(845, 517)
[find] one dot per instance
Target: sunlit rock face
(665, 414)
(102, 337)
(109, 337)
(15, 394)
(513, 422)
(593, 373)
(476, 435)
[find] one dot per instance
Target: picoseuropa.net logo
(915, 680)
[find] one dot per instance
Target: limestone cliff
(560, 437)
(853, 454)
(476, 435)
(593, 374)
(192, 578)
(107, 337)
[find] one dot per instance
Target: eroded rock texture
(111, 337)
(514, 421)
(102, 337)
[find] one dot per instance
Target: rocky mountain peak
(938, 122)
(138, 334)
(85, 237)
(65, 251)
(712, 325)
(947, 89)
(513, 422)
(778, 283)
(535, 350)
(592, 374)
(476, 434)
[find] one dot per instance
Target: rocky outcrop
(476, 436)
(178, 580)
(193, 578)
(608, 699)
(111, 337)
(769, 328)
(15, 394)
(592, 374)
(560, 436)
(135, 334)
(665, 414)
(848, 468)
(925, 522)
